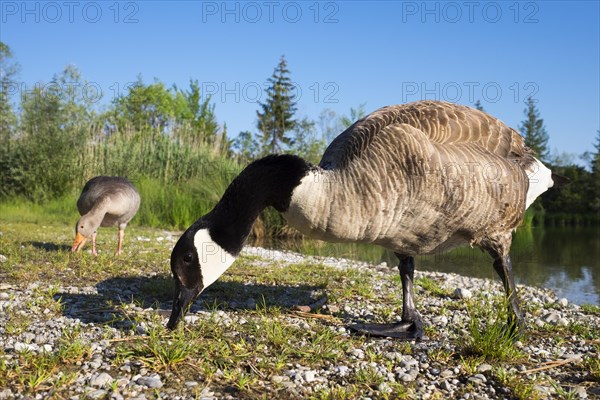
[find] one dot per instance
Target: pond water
(566, 260)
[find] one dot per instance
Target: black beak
(183, 298)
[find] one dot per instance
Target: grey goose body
(416, 179)
(105, 201)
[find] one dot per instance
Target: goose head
(85, 227)
(197, 261)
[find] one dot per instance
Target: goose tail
(541, 179)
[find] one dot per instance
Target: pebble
(309, 376)
(100, 379)
(463, 293)
(481, 368)
(447, 373)
(390, 362)
(551, 318)
(152, 381)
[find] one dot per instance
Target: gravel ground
(429, 369)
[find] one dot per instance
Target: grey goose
(105, 201)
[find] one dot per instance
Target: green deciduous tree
(595, 176)
(533, 130)
(8, 72)
(306, 142)
(355, 115)
(53, 117)
(147, 106)
(478, 105)
(276, 114)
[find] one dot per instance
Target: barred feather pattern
(417, 179)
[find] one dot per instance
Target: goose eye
(81, 227)
(188, 258)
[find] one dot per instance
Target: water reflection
(566, 260)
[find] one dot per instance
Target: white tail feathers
(540, 179)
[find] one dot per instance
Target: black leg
(503, 267)
(411, 326)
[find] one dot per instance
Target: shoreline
(436, 368)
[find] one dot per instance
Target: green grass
(247, 331)
(489, 336)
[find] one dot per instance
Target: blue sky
(340, 53)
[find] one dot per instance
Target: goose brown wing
(441, 122)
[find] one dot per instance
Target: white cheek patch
(540, 179)
(214, 260)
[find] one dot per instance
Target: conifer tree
(533, 130)
(276, 114)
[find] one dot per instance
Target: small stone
(595, 391)
(551, 318)
(342, 370)
(440, 320)
(477, 379)
(152, 381)
(333, 309)
(445, 385)
(484, 368)
(409, 363)
(191, 319)
(562, 322)
(3, 258)
(447, 373)
(100, 379)
(4, 296)
(580, 392)
(571, 355)
(96, 394)
(46, 348)
(278, 378)
(462, 293)
(563, 302)
(358, 353)
(407, 378)
(191, 383)
(384, 388)
(309, 376)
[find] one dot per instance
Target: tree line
(53, 138)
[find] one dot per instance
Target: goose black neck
(269, 181)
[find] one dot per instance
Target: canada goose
(105, 201)
(418, 178)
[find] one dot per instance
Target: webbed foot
(405, 330)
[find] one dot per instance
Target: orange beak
(79, 242)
